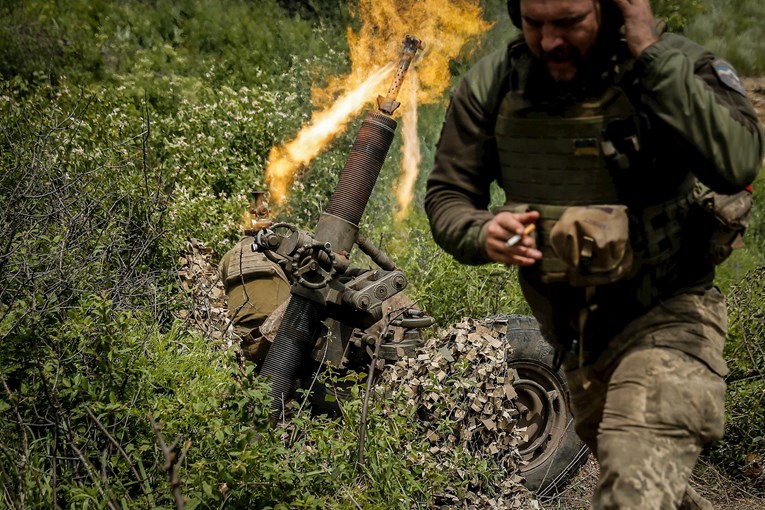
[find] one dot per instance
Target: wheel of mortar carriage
(552, 451)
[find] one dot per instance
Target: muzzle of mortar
(335, 235)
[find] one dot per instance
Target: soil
(756, 89)
(723, 492)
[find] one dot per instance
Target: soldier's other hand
(639, 24)
(504, 226)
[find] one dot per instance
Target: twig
(370, 381)
(7, 498)
(90, 469)
(314, 379)
(350, 496)
(124, 454)
(171, 462)
(24, 444)
(54, 468)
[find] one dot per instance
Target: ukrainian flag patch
(586, 147)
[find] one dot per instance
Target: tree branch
(124, 454)
(172, 461)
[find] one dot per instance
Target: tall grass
(734, 30)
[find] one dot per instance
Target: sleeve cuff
(651, 54)
(482, 241)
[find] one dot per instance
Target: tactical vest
(254, 285)
(243, 264)
(557, 155)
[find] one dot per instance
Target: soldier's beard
(563, 63)
(568, 64)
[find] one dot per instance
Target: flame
(444, 26)
(410, 152)
(285, 160)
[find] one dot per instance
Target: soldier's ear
(612, 14)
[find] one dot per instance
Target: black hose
(292, 344)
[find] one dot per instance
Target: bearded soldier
(624, 146)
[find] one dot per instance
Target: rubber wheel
(552, 451)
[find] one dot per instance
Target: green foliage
(226, 41)
(742, 279)
(745, 355)
(733, 30)
(129, 127)
(101, 377)
(447, 289)
(742, 262)
(677, 13)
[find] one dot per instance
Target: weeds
(130, 127)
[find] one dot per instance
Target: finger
(518, 260)
(513, 223)
(516, 255)
(508, 222)
(527, 252)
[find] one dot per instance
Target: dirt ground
(724, 493)
(756, 89)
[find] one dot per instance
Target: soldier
(602, 129)
(254, 285)
(257, 291)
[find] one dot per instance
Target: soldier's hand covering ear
(639, 24)
(504, 226)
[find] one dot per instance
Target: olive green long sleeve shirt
(700, 105)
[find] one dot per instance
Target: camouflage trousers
(647, 409)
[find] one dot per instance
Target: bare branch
(172, 461)
(91, 470)
(24, 445)
(124, 454)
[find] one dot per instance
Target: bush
(112, 408)
(677, 13)
(743, 447)
(733, 30)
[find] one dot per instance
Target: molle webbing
(551, 267)
(244, 265)
(656, 235)
(555, 158)
(556, 154)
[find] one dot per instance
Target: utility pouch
(593, 243)
(723, 220)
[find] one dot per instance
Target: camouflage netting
(459, 382)
(462, 387)
(199, 278)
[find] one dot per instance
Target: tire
(553, 452)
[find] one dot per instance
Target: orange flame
(285, 160)
(410, 152)
(444, 26)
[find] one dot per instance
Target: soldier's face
(561, 33)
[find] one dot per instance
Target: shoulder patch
(728, 76)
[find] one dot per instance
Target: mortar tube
(338, 226)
